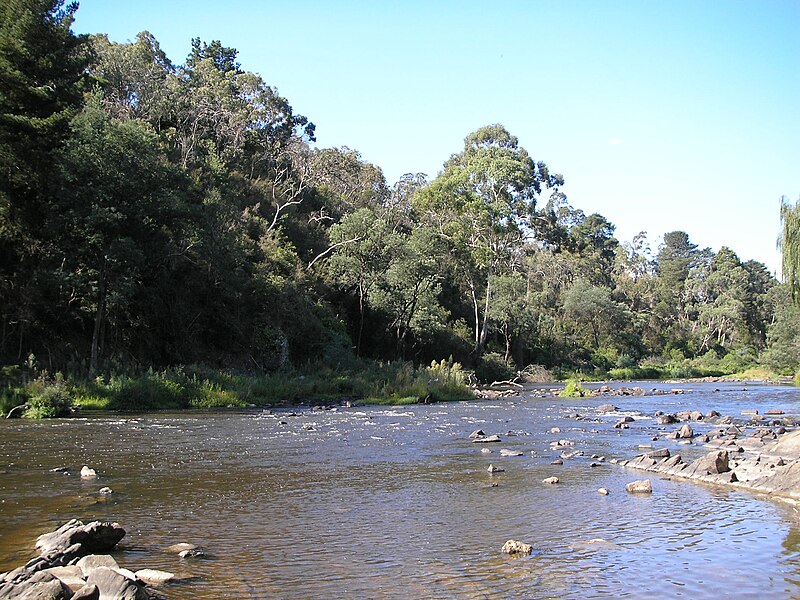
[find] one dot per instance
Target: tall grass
(201, 387)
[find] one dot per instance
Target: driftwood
(17, 411)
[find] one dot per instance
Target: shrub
(573, 389)
(493, 367)
(50, 400)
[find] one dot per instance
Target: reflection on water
(397, 503)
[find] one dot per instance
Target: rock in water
(87, 473)
(551, 480)
(94, 561)
(93, 538)
(154, 576)
(603, 491)
(115, 585)
(486, 440)
(639, 487)
(685, 431)
(607, 408)
(516, 547)
(493, 469)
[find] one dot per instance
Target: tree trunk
(361, 319)
(98, 322)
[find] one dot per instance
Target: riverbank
(358, 382)
(201, 387)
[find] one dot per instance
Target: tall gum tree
(483, 203)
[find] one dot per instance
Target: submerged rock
(486, 439)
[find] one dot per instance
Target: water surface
(396, 502)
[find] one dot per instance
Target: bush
(574, 389)
(493, 367)
(50, 400)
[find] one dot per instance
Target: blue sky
(660, 115)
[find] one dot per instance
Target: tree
(365, 245)
(789, 243)
(482, 204)
(409, 291)
(42, 74)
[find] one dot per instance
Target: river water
(381, 502)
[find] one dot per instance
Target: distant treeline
(156, 214)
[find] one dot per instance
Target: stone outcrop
(70, 568)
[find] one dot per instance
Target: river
(382, 502)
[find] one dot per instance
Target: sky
(661, 115)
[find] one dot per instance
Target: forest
(181, 218)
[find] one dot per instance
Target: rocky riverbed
(74, 564)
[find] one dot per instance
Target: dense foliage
(154, 215)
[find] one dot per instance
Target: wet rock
(555, 430)
(507, 452)
(516, 547)
(493, 469)
(154, 576)
(63, 470)
(176, 548)
(87, 473)
(750, 411)
(488, 439)
(106, 491)
(478, 433)
(199, 553)
(774, 411)
(667, 419)
(606, 408)
(639, 487)
(485, 451)
(550, 480)
(557, 461)
(622, 424)
(603, 491)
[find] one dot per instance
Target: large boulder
(788, 446)
(639, 487)
(93, 538)
(712, 463)
(39, 586)
(114, 585)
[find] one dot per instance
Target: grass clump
(574, 389)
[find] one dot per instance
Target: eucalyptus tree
(364, 246)
(482, 204)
